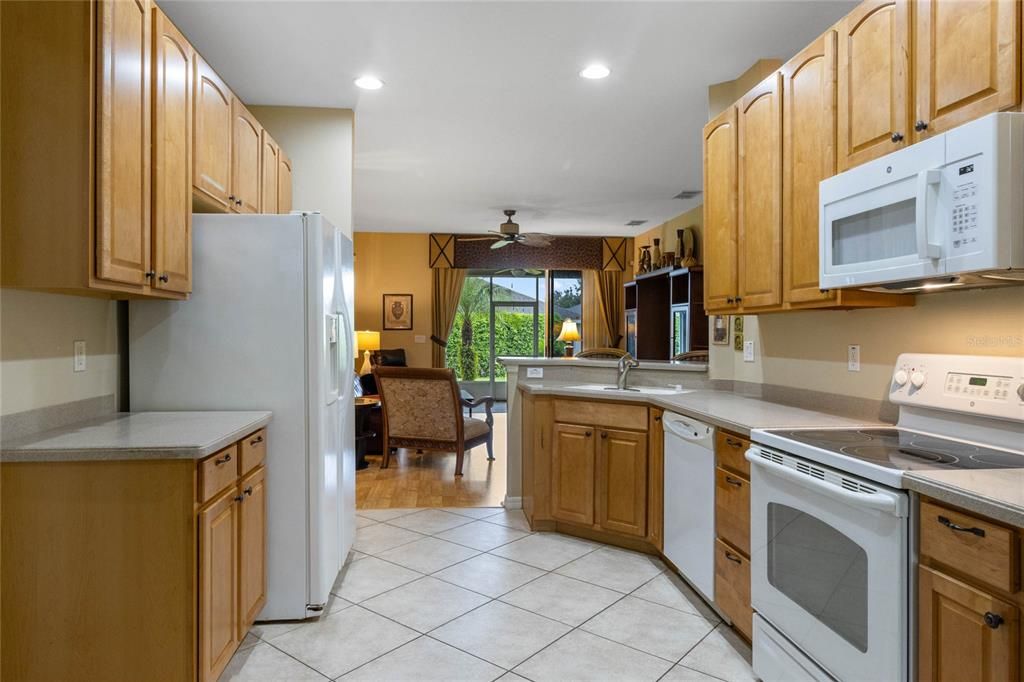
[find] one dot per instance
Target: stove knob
(900, 377)
(917, 379)
(1020, 391)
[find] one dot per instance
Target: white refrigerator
(269, 327)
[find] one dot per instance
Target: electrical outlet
(534, 372)
(79, 356)
(748, 351)
(853, 357)
(420, 338)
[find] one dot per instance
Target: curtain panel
(609, 298)
(447, 287)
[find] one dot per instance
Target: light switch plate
(853, 357)
(79, 356)
(535, 372)
(420, 338)
(748, 351)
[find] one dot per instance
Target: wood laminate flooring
(428, 479)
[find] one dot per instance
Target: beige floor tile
(430, 521)
(513, 518)
(583, 656)
(264, 663)
(384, 514)
(489, 574)
(564, 599)
(336, 603)
(428, 555)
(425, 660)
(475, 512)
(249, 640)
(545, 550)
(721, 654)
(482, 535)
(369, 577)
(683, 674)
(363, 522)
(268, 631)
(425, 604)
(649, 627)
(382, 537)
(670, 590)
(615, 569)
(343, 641)
(511, 677)
(501, 634)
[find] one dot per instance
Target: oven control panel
(983, 385)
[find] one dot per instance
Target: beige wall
(37, 335)
(721, 95)
(394, 263)
(319, 143)
(667, 233)
(808, 349)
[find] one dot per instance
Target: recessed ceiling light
(595, 72)
(369, 83)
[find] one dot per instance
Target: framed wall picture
(720, 330)
(398, 311)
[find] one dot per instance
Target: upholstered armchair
(601, 353)
(423, 409)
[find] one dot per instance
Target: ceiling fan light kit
(508, 233)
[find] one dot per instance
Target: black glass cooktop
(907, 450)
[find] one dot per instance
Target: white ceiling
(483, 109)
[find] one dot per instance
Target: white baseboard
(512, 502)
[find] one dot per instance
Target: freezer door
(347, 353)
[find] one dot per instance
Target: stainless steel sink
(634, 390)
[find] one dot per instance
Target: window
(566, 304)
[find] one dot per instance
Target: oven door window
(821, 569)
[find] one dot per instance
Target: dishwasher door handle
(686, 430)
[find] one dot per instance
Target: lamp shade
(368, 340)
(569, 332)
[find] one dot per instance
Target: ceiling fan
(508, 233)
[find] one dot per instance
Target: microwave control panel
(965, 214)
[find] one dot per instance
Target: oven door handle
(878, 501)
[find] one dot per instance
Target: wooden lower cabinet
(218, 580)
(732, 587)
(732, 530)
(252, 549)
(622, 482)
(732, 508)
(572, 474)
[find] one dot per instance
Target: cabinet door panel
(284, 184)
(218, 583)
(124, 129)
(965, 60)
(732, 587)
(808, 157)
(172, 157)
(954, 641)
(732, 509)
(270, 164)
(874, 83)
(252, 549)
(211, 171)
(572, 473)
(759, 122)
(622, 482)
(245, 159)
(720, 211)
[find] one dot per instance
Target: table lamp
(365, 342)
(569, 335)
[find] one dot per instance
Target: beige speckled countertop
(137, 435)
(724, 409)
(996, 493)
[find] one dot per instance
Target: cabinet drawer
(732, 587)
(732, 509)
(613, 415)
(254, 451)
(730, 450)
(217, 472)
(981, 549)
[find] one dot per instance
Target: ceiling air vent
(688, 194)
(635, 223)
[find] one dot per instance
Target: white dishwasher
(690, 500)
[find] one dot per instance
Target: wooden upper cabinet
(759, 123)
(966, 56)
(808, 157)
(124, 130)
(964, 633)
(252, 533)
(572, 473)
(622, 482)
(270, 163)
(245, 159)
(218, 584)
(284, 184)
(873, 81)
(212, 129)
(720, 198)
(172, 157)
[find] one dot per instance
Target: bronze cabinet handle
(239, 498)
(588, 434)
(733, 558)
(604, 434)
(734, 481)
(223, 460)
(897, 137)
(993, 620)
(248, 491)
(257, 440)
(733, 443)
(980, 532)
(921, 126)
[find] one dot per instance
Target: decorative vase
(668, 260)
(645, 259)
(689, 253)
(657, 253)
(679, 246)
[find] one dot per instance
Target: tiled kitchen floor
(471, 594)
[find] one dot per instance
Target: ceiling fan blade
(477, 239)
(536, 239)
(501, 242)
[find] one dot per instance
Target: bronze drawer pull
(256, 441)
(223, 460)
(239, 498)
(733, 443)
(980, 532)
(734, 481)
(604, 434)
(588, 434)
(993, 620)
(733, 558)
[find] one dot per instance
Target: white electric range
(831, 564)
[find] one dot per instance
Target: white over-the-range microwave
(945, 212)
